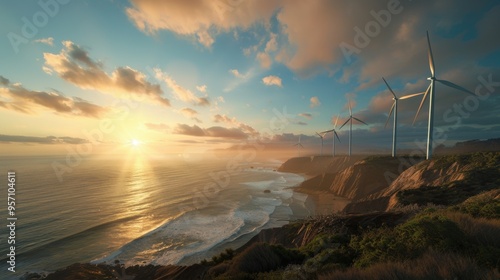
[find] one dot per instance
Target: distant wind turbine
(394, 108)
(322, 135)
(299, 146)
(334, 134)
(350, 126)
(431, 89)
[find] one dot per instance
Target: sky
(187, 77)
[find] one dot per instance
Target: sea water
(142, 211)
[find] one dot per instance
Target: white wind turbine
(350, 126)
(394, 108)
(299, 146)
(334, 134)
(321, 136)
(431, 89)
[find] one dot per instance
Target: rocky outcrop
(475, 172)
(355, 178)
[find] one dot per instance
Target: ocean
(142, 211)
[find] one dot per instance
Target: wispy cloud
(179, 91)
(202, 88)
(306, 115)
(48, 41)
(314, 102)
(41, 140)
(161, 127)
(214, 131)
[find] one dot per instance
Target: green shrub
(408, 240)
(482, 205)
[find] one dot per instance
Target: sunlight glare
(135, 142)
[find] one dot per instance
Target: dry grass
(432, 265)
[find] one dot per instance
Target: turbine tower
(394, 108)
(350, 126)
(322, 135)
(431, 89)
(334, 134)
(299, 146)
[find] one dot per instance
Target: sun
(135, 142)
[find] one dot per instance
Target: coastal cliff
(408, 211)
(381, 183)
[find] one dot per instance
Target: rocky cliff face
(353, 178)
(373, 183)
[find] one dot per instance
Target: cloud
(17, 98)
(234, 122)
(314, 102)
(74, 65)
(202, 88)
(41, 140)
(158, 127)
(180, 92)
(272, 81)
(264, 60)
(188, 112)
(4, 81)
(234, 133)
(214, 131)
(199, 19)
(49, 41)
(185, 129)
(264, 57)
(306, 115)
(236, 73)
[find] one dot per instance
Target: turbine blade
(390, 113)
(345, 122)
(336, 120)
(390, 88)
(359, 120)
(318, 134)
(326, 131)
(421, 103)
(335, 132)
(411, 95)
(455, 86)
(350, 108)
(301, 145)
(431, 58)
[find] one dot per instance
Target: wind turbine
(350, 126)
(431, 89)
(394, 108)
(334, 134)
(298, 146)
(321, 136)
